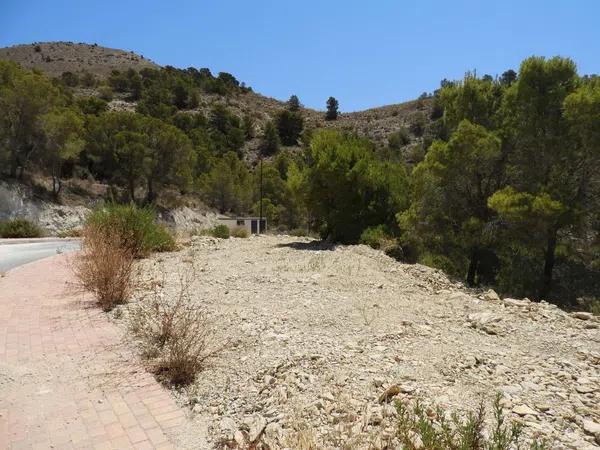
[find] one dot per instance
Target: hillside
(55, 58)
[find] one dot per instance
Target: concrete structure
(251, 224)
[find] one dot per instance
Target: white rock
(524, 410)
(591, 427)
(583, 315)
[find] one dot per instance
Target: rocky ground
(315, 335)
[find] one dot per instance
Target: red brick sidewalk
(66, 380)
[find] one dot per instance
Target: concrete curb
(34, 240)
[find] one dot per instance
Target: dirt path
(318, 334)
(66, 381)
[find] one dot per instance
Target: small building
(251, 224)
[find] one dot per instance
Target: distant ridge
(54, 58)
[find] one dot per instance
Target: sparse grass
(135, 227)
(105, 267)
(427, 428)
(175, 335)
(19, 228)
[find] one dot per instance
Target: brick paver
(66, 379)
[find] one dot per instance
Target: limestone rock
(524, 410)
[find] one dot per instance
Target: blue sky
(365, 53)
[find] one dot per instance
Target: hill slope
(54, 58)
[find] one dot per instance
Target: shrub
(136, 227)
(19, 228)
(105, 266)
(240, 232)
(435, 429)
(220, 231)
(299, 232)
(373, 236)
(399, 139)
(175, 335)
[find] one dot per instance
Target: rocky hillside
(316, 335)
(55, 58)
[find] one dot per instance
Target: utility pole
(261, 199)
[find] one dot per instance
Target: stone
(581, 315)
(491, 296)
(585, 388)
(524, 410)
(591, 427)
(515, 302)
(227, 429)
(255, 426)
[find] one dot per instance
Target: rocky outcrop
(17, 201)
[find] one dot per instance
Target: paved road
(16, 254)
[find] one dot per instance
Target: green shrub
(220, 231)
(136, 227)
(19, 228)
(373, 236)
(435, 429)
(299, 232)
(240, 232)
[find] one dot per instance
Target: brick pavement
(66, 379)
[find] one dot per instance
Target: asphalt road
(16, 254)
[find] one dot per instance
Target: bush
(19, 228)
(240, 232)
(175, 335)
(220, 231)
(373, 236)
(136, 228)
(433, 429)
(298, 232)
(105, 266)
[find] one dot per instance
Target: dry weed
(175, 334)
(104, 267)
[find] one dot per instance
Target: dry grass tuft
(104, 267)
(176, 334)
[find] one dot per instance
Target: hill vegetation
(493, 180)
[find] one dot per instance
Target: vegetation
(175, 335)
(135, 228)
(332, 109)
(105, 266)
(421, 427)
(502, 188)
(19, 228)
(220, 231)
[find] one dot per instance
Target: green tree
(24, 98)
(332, 109)
(270, 140)
(169, 157)
(228, 186)
(544, 163)
(289, 126)
(63, 130)
(474, 99)
(449, 216)
(293, 103)
(348, 189)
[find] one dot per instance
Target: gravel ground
(316, 334)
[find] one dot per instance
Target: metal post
(261, 199)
